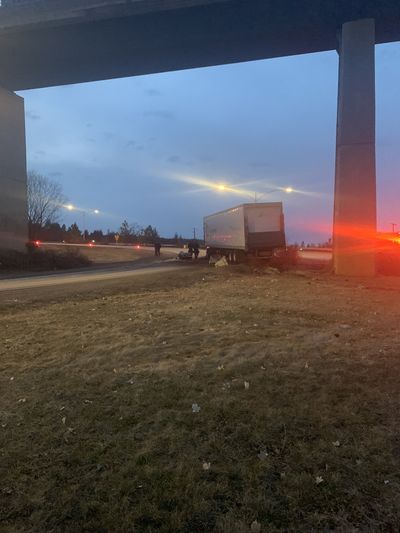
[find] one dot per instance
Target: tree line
(45, 203)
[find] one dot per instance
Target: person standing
(157, 249)
(196, 249)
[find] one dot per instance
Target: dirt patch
(203, 401)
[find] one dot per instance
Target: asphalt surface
(81, 277)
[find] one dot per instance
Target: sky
(145, 148)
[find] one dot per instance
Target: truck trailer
(247, 229)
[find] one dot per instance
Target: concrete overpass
(55, 42)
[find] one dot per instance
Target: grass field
(108, 254)
(201, 401)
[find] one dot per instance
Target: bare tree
(45, 199)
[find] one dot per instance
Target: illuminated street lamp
(257, 195)
(71, 207)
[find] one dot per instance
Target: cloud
(31, 115)
(89, 125)
(140, 147)
(130, 144)
(159, 113)
(108, 135)
(152, 92)
(56, 174)
(173, 159)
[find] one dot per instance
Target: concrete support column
(354, 233)
(13, 198)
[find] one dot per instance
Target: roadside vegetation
(202, 400)
(36, 259)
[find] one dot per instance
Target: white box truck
(256, 229)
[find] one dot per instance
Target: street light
(257, 195)
(71, 207)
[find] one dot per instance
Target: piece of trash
(344, 326)
(220, 367)
(87, 401)
(306, 365)
(358, 462)
(115, 370)
(164, 342)
(64, 419)
(206, 466)
(255, 526)
(319, 479)
(246, 385)
(62, 408)
(336, 443)
(22, 400)
(12, 378)
(195, 408)
(386, 482)
(221, 262)
(262, 455)
(262, 367)
(130, 381)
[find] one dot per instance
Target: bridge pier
(13, 197)
(354, 228)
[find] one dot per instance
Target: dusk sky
(144, 148)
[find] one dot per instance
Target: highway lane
(322, 255)
(107, 274)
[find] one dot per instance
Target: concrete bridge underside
(54, 42)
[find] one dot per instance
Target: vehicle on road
(248, 229)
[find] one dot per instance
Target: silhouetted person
(191, 248)
(157, 249)
(196, 250)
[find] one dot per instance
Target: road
(314, 256)
(106, 274)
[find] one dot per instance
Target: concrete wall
(13, 198)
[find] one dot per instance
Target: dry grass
(96, 391)
(111, 254)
